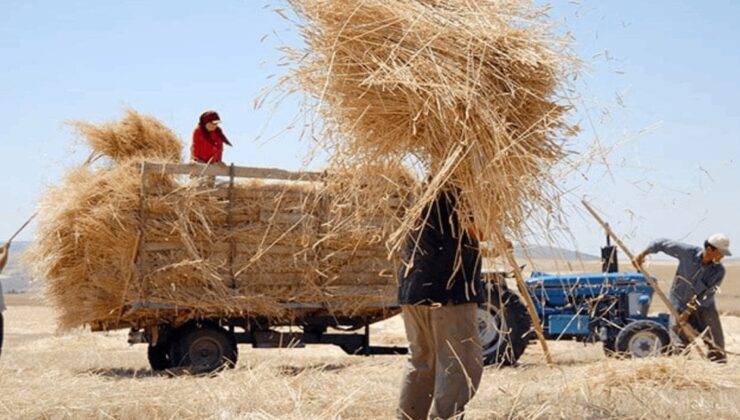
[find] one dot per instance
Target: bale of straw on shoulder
(475, 91)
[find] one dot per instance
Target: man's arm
(707, 287)
(674, 249)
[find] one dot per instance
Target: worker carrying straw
(440, 289)
(699, 274)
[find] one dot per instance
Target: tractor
(610, 307)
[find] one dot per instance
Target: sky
(659, 89)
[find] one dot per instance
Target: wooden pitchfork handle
(90, 159)
(686, 328)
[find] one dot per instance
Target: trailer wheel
(159, 356)
(503, 328)
(203, 348)
(642, 339)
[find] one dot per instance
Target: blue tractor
(610, 307)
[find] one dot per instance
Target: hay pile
(110, 258)
(471, 89)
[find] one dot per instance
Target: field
(83, 374)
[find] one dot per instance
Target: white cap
(721, 242)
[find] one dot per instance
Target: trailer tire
(641, 339)
(203, 348)
(503, 328)
(159, 356)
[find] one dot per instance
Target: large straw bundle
(136, 136)
(470, 88)
(111, 256)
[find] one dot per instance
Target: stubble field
(92, 375)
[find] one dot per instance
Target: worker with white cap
(699, 274)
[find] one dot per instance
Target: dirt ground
(95, 375)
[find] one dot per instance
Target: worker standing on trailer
(3, 260)
(208, 139)
(439, 293)
(699, 274)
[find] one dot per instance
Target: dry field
(92, 375)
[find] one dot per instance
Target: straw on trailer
(117, 246)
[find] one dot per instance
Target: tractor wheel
(503, 328)
(159, 356)
(641, 339)
(203, 348)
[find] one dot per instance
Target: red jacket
(207, 148)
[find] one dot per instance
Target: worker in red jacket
(208, 139)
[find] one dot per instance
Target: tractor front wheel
(641, 339)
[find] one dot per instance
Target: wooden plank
(222, 247)
(277, 192)
(197, 169)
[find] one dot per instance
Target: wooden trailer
(263, 251)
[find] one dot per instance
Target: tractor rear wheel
(641, 339)
(503, 327)
(203, 348)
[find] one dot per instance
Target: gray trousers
(445, 364)
(706, 321)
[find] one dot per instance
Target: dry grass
(89, 375)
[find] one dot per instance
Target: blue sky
(660, 82)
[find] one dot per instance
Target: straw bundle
(469, 88)
(136, 136)
(112, 255)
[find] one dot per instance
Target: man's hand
(4, 255)
(691, 307)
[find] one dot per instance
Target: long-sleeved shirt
(445, 259)
(693, 279)
(208, 147)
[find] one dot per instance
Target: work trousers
(445, 364)
(706, 321)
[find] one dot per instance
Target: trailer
(202, 341)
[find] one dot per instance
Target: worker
(208, 139)
(3, 260)
(699, 274)
(439, 291)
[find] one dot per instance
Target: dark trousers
(706, 321)
(1, 332)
